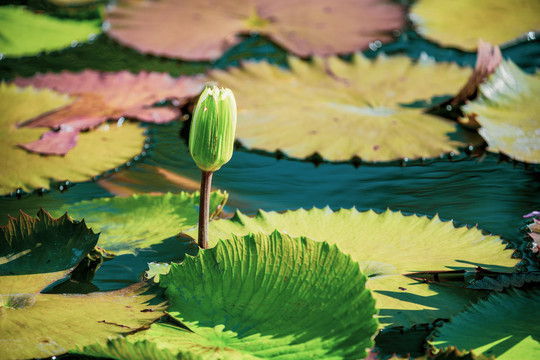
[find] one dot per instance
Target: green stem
(204, 208)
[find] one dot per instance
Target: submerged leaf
(44, 325)
(139, 221)
(460, 23)
(98, 151)
(342, 110)
(388, 245)
(35, 252)
(23, 32)
(507, 109)
(504, 325)
(267, 296)
(205, 29)
(103, 96)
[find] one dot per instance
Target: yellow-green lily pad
(99, 150)
(508, 111)
(387, 246)
(45, 325)
(127, 224)
(460, 23)
(23, 32)
(341, 110)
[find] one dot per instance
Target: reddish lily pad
(204, 30)
(99, 150)
(103, 96)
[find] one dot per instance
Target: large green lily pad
(460, 23)
(388, 245)
(104, 148)
(341, 110)
(504, 325)
(508, 111)
(35, 252)
(23, 32)
(261, 296)
(44, 325)
(139, 221)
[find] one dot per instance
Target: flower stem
(204, 208)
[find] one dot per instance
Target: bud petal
(211, 137)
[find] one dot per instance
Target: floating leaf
(44, 325)
(23, 32)
(342, 110)
(204, 30)
(387, 245)
(35, 252)
(501, 326)
(460, 23)
(105, 148)
(507, 111)
(139, 221)
(123, 349)
(268, 296)
(502, 281)
(103, 96)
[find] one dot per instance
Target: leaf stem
(204, 208)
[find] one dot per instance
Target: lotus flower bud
(211, 138)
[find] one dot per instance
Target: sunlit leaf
(102, 96)
(35, 252)
(341, 109)
(23, 32)
(44, 325)
(266, 297)
(203, 30)
(388, 245)
(507, 109)
(139, 221)
(99, 150)
(504, 325)
(123, 349)
(460, 23)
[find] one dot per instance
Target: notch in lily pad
(211, 143)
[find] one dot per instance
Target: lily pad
(35, 252)
(103, 96)
(265, 297)
(139, 221)
(23, 32)
(507, 109)
(501, 326)
(386, 246)
(45, 325)
(105, 148)
(204, 30)
(461, 23)
(123, 349)
(341, 110)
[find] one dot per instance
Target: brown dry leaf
(341, 109)
(102, 96)
(460, 23)
(205, 29)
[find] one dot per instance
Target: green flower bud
(211, 138)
